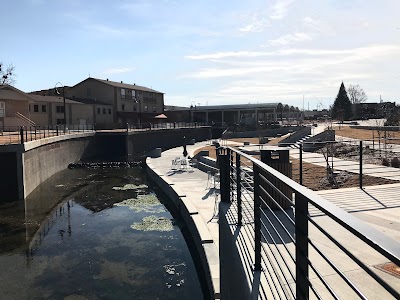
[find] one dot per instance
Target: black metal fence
(20, 135)
(294, 255)
(345, 159)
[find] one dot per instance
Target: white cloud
(280, 9)
(290, 39)
(257, 24)
(291, 62)
(121, 70)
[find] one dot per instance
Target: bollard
(57, 129)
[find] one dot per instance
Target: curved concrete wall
(42, 162)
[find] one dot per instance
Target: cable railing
(297, 256)
(344, 158)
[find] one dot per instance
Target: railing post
(57, 129)
(44, 131)
(223, 161)
(21, 133)
(239, 189)
(26, 134)
(257, 219)
(360, 177)
(35, 132)
(301, 164)
(301, 234)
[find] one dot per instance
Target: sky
(203, 52)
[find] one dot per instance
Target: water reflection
(88, 247)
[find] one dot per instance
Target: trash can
(277, 158)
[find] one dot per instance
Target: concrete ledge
(41, 142)
(202, 229)
(190, 208)
(199, 232)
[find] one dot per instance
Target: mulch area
(315, 177)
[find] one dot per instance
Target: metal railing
(294, 255)
(20, 135)
(359, 158)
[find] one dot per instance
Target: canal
(95, 234)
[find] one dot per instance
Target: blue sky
(209, 52)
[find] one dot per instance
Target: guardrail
(291, 254)
(20, 135)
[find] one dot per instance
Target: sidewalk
(200, 199)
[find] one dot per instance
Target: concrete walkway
(200, 197)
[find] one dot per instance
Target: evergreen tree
(341, 108)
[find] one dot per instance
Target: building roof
(53, 99)
(238, 106)
(123, 85)
(8, 92)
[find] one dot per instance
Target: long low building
(245, 114)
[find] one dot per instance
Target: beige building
(131, 103)
(21, 109)
(14, 107)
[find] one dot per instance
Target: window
(36, 108)
(123, 106)
(59, 109)
(104, 111)
(44, 108)
(145, 108)
(123, 93)
(154, 109)
(98, 110)
(133, 94)
(60, 121)
(134, 108)
(109, 111)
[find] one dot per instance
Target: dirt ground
(363, 134)
(315, 177)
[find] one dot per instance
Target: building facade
(130, 103)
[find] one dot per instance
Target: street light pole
(65, 110)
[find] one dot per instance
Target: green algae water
(94, 234)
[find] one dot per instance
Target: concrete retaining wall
(140, 143)
(381, 128)
(42, 162)
(262, 133)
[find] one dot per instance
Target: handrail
(383, 244)
(270, 210)
(26, 119)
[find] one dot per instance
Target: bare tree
(7, 75)
(356, 94)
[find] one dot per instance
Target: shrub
(385, 162)
(395, 162)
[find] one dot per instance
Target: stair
(25, 119)
(302, 140)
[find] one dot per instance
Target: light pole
(65, 111)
